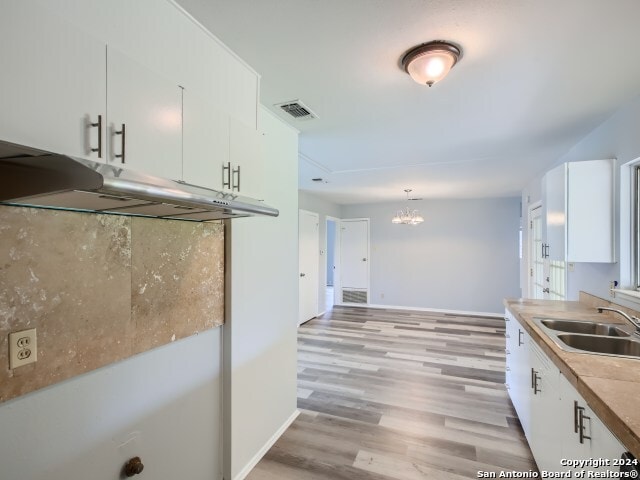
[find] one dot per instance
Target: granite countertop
(610, 385)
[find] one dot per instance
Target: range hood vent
(30, 177)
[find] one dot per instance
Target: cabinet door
(590, 212)
(544, 441)
(242, 91)
(52, 83)
(150, 108)
(555, 207)
(245, 152)
(519, 371)
(601, 442)
(205, 142)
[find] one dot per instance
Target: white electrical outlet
(23, 348)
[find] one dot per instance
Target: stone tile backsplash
(100, 288)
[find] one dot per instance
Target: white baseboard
(261, 453)
(421, 309)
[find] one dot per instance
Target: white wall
(262, 309)
(616, 138)
(162, 405)
(463, 257)
(323, 208)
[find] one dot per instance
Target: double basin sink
(591, 337)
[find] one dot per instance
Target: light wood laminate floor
(388, 394)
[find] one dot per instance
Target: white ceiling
(536, 76)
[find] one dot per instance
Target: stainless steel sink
(590, 337)
(603, 345)
(584, 327)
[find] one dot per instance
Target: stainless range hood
(34, 178)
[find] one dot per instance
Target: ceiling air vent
(297, 110)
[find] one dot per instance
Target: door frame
(336, 257)
(368, 220)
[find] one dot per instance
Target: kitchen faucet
(635, 321)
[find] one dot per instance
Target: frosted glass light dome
(431, 62)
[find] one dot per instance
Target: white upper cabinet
(578, 201)
(242, 92)
(220, 152)
(52, 82)
(206, 142)
(68, 63)
(144, 118)
(245, 155)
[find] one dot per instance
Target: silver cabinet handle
(536, 378)
(581, 427)
(520, 337)
(575, 416)
(226, 168)
(98, 124)
(545, 251)
(236, 175)
(123, 143)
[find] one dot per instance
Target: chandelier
(407, 216)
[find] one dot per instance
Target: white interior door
(308, 251)
(536, 259)
(354, 258)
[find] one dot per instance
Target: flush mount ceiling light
(408, 216)
(430, 62)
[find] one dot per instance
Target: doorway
(547, 278)
(332, 243)
(537, 266)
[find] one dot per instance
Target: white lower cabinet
(518, 376)
(545, 414)
(583, 433)
(559, 425)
